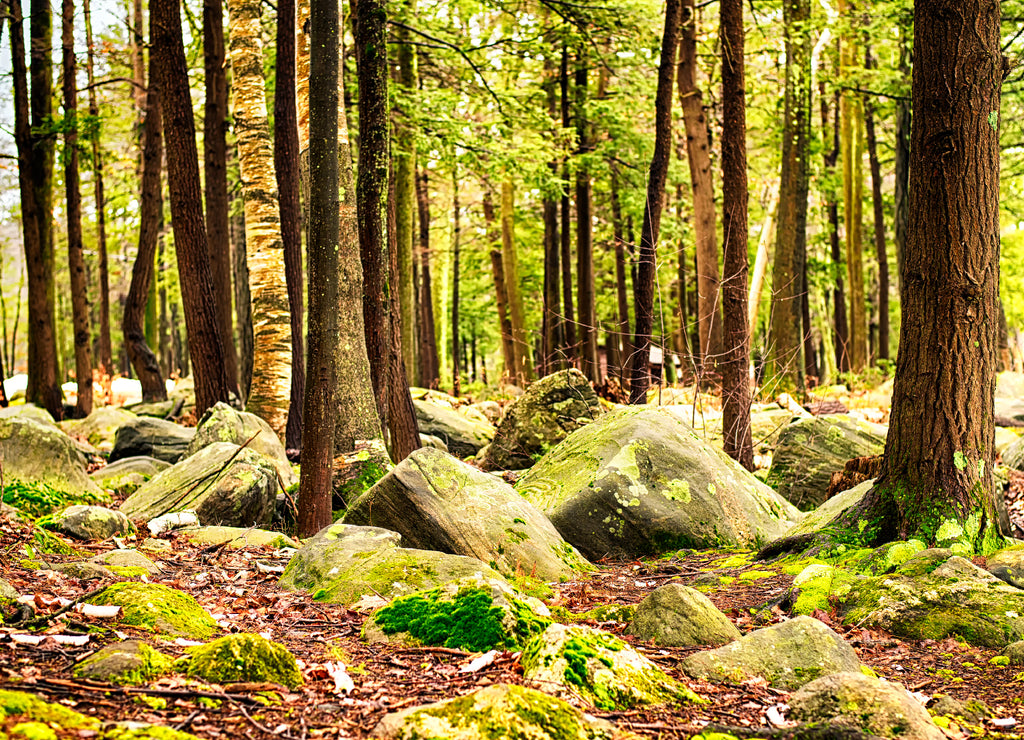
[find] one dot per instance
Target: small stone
(91, 523)
(971, 710)
(126, 562)
(130, 662)
(84, 571)
(1015, 652)
(678, 616)
(244, 658)
(160, 609)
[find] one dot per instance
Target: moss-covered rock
(344, 562)
(221, 423)
(223, 483)
(639, 482)
(1008, 565)
(126, 562)
(100, 427)
(499, 711)
(31, 708)
(462, 436)
(858, 702)
(157, 608)
(142, 731)
(243, 658)
(549, 411)
(130, 663)
(1015, 652)
(83, 570)
(125, 476)
(474, 614)
(440, 503)
(818, 519)
(357, 471)
(89, 522)
(157, 438)
(598, 669)
(41, 453)
(810, 450)
(235, 538)
(679, 616)
(787, 655)
(28, 411)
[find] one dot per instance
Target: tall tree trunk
(286, 165)
(568, 308)
(522, 365)
(405, 196)
(621, 291)
(737, 441)
(643, 286)
(76, 256)
(430, 370)
(585, 231)
(215, 159)
(902, 165)
(786, 340)
(553, 341)
(456, 244)
(270, 390)
(243, 304)
(764, 241)
(500, 291)
(831, 156)
(206, 350)
(698, 150)
(104, 360)
(879, 214)
(319, 407)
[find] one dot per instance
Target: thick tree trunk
(735, 378)
(522, 365)
(553, 341)
(242, 301)
(430, 369)
(405, 197)
(76, 256)
(624, 340)
(643, 286)
(206, 350)
(565, 244)
(879, 217)
(500, 291)
(585, 232)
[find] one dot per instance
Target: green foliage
(37, 498)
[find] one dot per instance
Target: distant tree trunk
(206, 350)
(456, 244)
(522, 365)
(698, 148)
(621, 291)
(104, 360)
(500, 290)
(764, 241)
(143, 360)
(319, 407)
(76, 256)
(405, 197)
(552, 341)
(568, 309)
(430, 371)
(286, 165)
(902, 165)
(831, 157)
(242, 302)
(737, 441)
(643, 286)
(215, 158)
(879, 214)
(584, 231)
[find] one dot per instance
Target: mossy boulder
(89, 522)
(675, 615)
(157, 438)
(549, 411)
(243, 658)
(437, 502)
(126, 475)
(37, 452)
(126, 562)
(599, 669)
(499, 711)
(235, 538)
(84, 570)
(28, 411)
(129, 662)
(1008, 565)
(343, 563)
(810, 450)
(462, 436)
(1015, 652)
(100, 427)
(639, 482)
(357, 471)
(858, 702)
(475, 614)
(30, 708)
(223, 483)
(787, 655)
(221, 423)
(159, 609)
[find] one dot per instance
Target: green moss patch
(128, 663)
(37, 498)
(244, 657)
(157, 608)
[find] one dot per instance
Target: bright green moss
(244, 657)
(159, 608)
(150, 732)
(37, 498)
(125, 665)
(33, 731)
(756, 575)
(33, 709)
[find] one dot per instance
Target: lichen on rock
(130, 662)
(158, 608)
(243, 658)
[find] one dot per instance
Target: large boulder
(157, 438)
(809, 451)
(787, 655)
(463, 436)
(34, 451)
(90, 522)
(437, 502)
(679, 616)
(222, 423)
(1013, 455)
(1008, 565)
(549, 411)
(27, 411)
(223, 483)
(343, 563)
(639, 482)
(100, 427)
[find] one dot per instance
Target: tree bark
(568, 307)
(521, 363)
(405, 195)
(621, 290)
(553, 342)
(206, 350)
(585, 231)
(902, 166)
(430, 370)
(456, 337)
(737, 441)
(879, 217)
(643, 286)
(242, 301)
(500, 291)
(831, 157)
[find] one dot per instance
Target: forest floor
(239, 587)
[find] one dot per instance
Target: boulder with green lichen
(1008, 565)
(675, 615)
(223, 483)
(100, 427)
(355, 472)
(152, 437)
(126, 475)
(158, 608)
(463, 437)
(499, 711)
(235, 538)
(787, 655)
(89, 523)
(598, 669)
(1015, 652)
(30, 708)
(126, 562)
(638, 481)
(41, 453)
(437, 502)
(222, 423)
(242, 658)
(129, 662)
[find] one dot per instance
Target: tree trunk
(585, 231)
(456, 338)
(430, 370)
(831, 157)
(698, 150)
(242, 302)
(76, 256)
(621, 291)
(319, 407)
(270, 390)
(553, 341)
(902, 165)
(568, 308)
(643, 286)
(500, 291)
(206, 350)
(405, 196)
(522, 365)
(879, 214)
(737, 441)
(761, 260)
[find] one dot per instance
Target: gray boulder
(810, 450)
(27, 411)
(462, 436)
(34, 451)
(787, 655)
(639, 482)
(1015, 652)
(127, 474)
(858, 702)
(90, 522)
(549, 411)
(100, 427)
(1008, 565)
(1013, 456)
(157, 438)
(8, 594)
(223, 483)
(679, 616)
(126, 562)
(235, 538)
(437, 502)
(221, 423)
